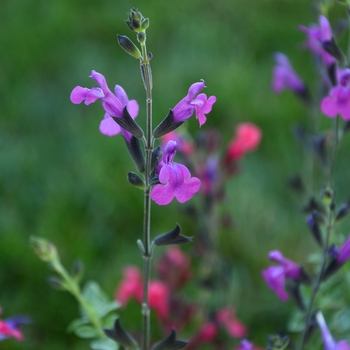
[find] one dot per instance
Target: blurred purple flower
(275, 275)
(194, 102)
(245, 345)
(175, 179)
(338, 101)
(113, 104)
(344, 252)
(317, 34)
(284, 76)
(10, 327)
(328, 341)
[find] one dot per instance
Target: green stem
(329, 229)
(317, 283)
(74, 289)
(147, 251)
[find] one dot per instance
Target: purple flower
(344, 252)
(284, 76)
(338, 101)
(190, 103)
(113, 104)
(10, 327)
(245, 345)
(175, 179)
(328, 341)
(317, 35)
(275, 276)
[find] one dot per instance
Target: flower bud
(77, 270)
(314, 229)
(170, 343)
(134, 21)
(145, 23)
(342, 212)
(44, 249)
(128, 46)
(121, 336)
(141, 37)
(135, 180)
(333, 49)
(135, 151)
(56, 283)
(327, 196)
(173, 237)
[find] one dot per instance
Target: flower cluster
(172, 310)
(175, 179)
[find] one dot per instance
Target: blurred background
(62, 180)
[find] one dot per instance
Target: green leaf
(76, 323)
(85, 331)
(104, 344)
(98, 299)
(108, 321)
(296, 322)
(342, 321)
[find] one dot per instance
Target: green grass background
(62, 180)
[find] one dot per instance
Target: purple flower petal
(176, 181)
(78, 95)
(109, 127)
(274, 277)
(329, 107)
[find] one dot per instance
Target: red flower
(247, 139)
(227, 318)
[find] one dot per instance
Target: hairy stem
(147, 253)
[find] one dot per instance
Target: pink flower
(174, 268)
(275, 275)
(317, 34)
(328, 342)
(9, 328)
(113, 104)
(158, 297)
(247, 139)
(176, 181)
(284, 76)
(206, 334)
(131, 285)
(227, 318)
(338, 101)
(194, 102)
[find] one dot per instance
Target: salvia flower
(247, 345)
(234, 327)
(131, 287)
(284, 76)
(338, 101)
(194, 102)
(247, 139)
(174, 268)
(317, 35)
(113, 104)
(176, 181)
(344, 252)
(9, 328)
(328, 341)
(275, 276)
